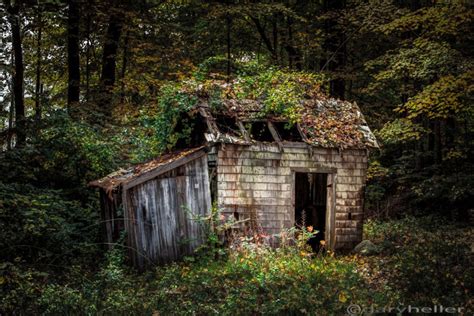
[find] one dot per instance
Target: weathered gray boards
(158, 204)
(265, 170)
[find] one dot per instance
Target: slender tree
(18, 85)
(109, 56)
(74, 74)
(123, 71)
(88, 50)
(38, 65)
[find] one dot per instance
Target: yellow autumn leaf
(342, 297)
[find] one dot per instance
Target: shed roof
(140, 173)
(322, 121)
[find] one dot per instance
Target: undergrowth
(422, 261)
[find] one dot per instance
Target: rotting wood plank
(165, 168)
(164, 229)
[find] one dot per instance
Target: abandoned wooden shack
(258, 167)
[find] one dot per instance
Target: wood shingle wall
(257, 182)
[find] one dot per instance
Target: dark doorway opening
(310, 204)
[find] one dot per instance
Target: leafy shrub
(427, 259)
(424, 262)
(42, 225)
(63, 154)
(262, 281)
(20, 287)
(250, 280)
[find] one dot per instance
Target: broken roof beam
(305, 139)
(211, 124)
(275, 135)
(243, 131)
(302, 134)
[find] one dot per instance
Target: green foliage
(400, 131)
(50, 220)
(433, 21)
(281, 91)
(42, 232)
(63, 153)
(421, 60)
(253, 281)
(426, 78)
(113, 289)
(41, 225)
(427, 260)
(423, 262)
(448, 191)
(411, 57)
(447, 97)
(205, 68)
(260, 282)
(160, 129)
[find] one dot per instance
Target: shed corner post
(331, 211)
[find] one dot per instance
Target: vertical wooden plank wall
(163, 211)
(256, 182)
(112, 223)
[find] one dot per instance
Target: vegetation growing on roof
(291, 96)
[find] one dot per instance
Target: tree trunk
(109, 57)
(124, 65)
(275, 35)
(88, 51)
(74, 79)
(293, 53)
(38, 69)
(18, 88)
(264, 38)
(11, 115)
(335, 47)
(229, 25)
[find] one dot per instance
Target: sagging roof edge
(114, 180)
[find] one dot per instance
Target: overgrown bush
(428, 260)
(423, 262)
(49, 218)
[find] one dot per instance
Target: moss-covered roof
(322, 120)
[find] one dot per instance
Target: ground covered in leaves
(420, 262)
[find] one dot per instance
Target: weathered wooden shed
(152, 202)
(258, 167)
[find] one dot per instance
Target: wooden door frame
(331, 211)
(330, 229)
